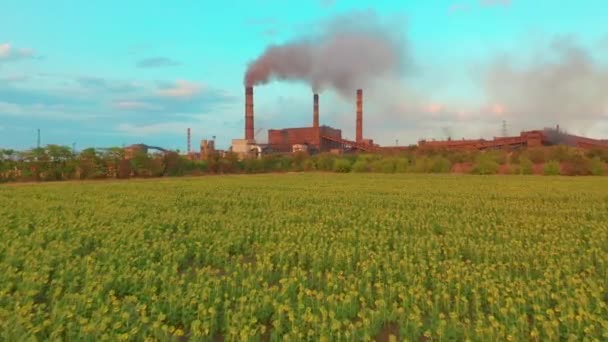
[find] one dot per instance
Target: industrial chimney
(359, 133)
(249, 113)
(189, 142)
(315, 114)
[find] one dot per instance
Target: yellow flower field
(320, 257)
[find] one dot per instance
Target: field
(306, 257)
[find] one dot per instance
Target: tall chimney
(189, 142)
(359, 133)
(249, 113)
(315, 114)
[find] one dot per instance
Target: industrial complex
(313, 139)
(320, 138)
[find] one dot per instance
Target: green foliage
(598, 167)
(401, 165)
(537, 155)
(298, 161)
(324, 161)
(578, 165)
(499, 157)
(526, 167)
(514, 157)
(513, 169)
(440, 164)
(253, 165)
(310, 165)
(462, 157)
(361, 166)
(560, 153)
(54, 163)
(601, 153)
(434, 164)
(552, 168)
(485, 165)
(342, 165)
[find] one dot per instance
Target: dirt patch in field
(266, 335)
(390, 329)
(248, 259)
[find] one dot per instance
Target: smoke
(348, 52)
(564, 85)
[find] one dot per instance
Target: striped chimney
(359, 132)
(249, 113)
(315, 113)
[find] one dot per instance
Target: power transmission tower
(504, 128)
(38, 144)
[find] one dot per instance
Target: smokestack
(359, 137)
(189, 142)
(315, 114)
(249, 113)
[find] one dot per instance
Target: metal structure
(351, 145)
(257, 132)
(131, 150)
(536, 138)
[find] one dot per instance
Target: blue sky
(107, 73)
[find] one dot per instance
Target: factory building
(283, 140)
(313, 139)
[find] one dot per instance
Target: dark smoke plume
(347, 53)
(564, 85)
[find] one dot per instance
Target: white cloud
(327, 3)
(495, 2)
(159, 128)
(14, 78)
(5, 50)
(135, 105)
(182, 89)
(565, 87)
(8, 53)
(458, 8)
(56, 111)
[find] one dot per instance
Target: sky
(113, 73)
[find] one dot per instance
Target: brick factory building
(282, 140)
(316, 138)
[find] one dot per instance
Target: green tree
(91, 165)
(485, 165)
(552, 168)
(342, 165)
(440, 164)
(598, 167)
(526, 167)
(361, 166)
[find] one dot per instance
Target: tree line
(55, 163)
